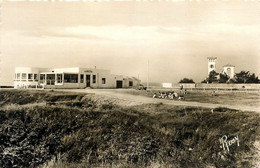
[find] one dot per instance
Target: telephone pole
(147, 74)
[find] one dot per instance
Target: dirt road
(125, 99)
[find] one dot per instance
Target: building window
(94, 78)
(35, 77)
(42, 78)
(50, 79)
(15, 76)
(59, 78)
(103, 80)
(130, 83)
(70, 78)
(18, 76)
(81, 78)
(24, 76)
(30, 77)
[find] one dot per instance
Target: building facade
(211, 64)
(229, 70)
(28, 77)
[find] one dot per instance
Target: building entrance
(88, 80)
(50, 79)
(119, 84)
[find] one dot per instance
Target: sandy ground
(125, 99)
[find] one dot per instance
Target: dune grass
(78, 132)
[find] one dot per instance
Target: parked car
(141, 87)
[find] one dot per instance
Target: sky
(176, 37)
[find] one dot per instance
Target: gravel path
(132, 100)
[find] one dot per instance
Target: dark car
(141, 87)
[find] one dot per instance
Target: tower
(211, 64)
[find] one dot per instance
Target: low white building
(26, 77)
(167, 85)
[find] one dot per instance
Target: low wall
(185, 85)
(213, 85)
(224, 85)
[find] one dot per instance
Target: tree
(186, 80)
(253, 79)
(232, 80)
(213, 76)
(204, 81)
(242, 76)
(246, 77)
(223, 78)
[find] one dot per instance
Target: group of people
(169, 95)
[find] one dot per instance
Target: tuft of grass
(222, 109)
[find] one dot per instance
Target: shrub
(186, 80)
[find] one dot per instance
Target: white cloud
(117, 32)
(115, 35)
(126, 33)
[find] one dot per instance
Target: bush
(186, 80)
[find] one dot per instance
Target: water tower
(211, 64)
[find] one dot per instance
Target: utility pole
(147, 74)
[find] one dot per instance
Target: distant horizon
(220, 70)
(176, 37)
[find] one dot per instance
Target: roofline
(61, 68)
